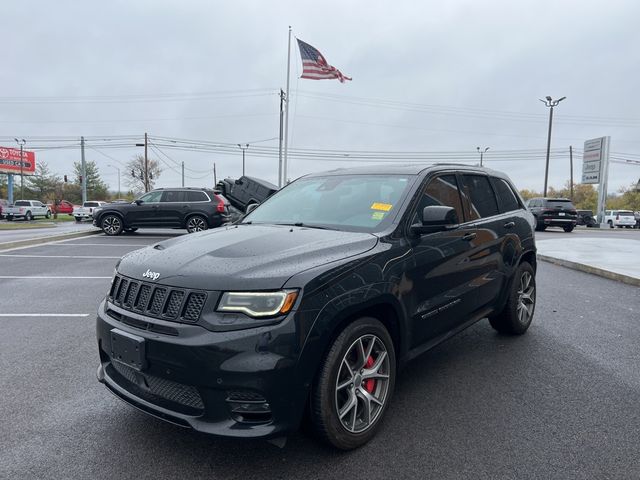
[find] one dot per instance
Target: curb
(53, 238)
(619, 277)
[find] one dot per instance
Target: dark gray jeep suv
(312, 303)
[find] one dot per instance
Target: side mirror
(138, 202)
(251, 207)
(436, 218)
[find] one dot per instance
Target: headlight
(258, 304)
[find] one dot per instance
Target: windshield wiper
(306, 225)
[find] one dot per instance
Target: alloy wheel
(196, 224)
(362, 385)
(526, 298)
(111, 225)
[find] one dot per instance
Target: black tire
(610, 224)
(327, 394)
(78, 219)
(9, 218)
(568, 229)
(540, 228)
(510, 320)
(112, 225)
(196, 223)
(48, 214)
(28, 217)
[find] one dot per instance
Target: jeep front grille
(159, 301)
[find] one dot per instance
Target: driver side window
(151, 197)
(441, 190)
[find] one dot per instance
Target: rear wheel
(48, 214)
(568, 228)
(196, 223)
(28, 217)
(354, 385)
(610, 224)
(517, 314)
(112, 225)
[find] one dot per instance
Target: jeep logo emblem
(151, 275)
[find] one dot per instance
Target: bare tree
(134, 176)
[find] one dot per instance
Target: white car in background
(620, 218)
(86, 211)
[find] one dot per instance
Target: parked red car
(64, 207)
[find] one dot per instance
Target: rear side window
(506, 198)
(481, 200)
(195, 196)
(24, 203)
(91, 204)
(172, 196)
(441, 190)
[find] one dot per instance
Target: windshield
(624, 213)
(364, 203)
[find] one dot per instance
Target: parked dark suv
(192, 208)
(315, 299)
(553, 212)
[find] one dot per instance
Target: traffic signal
(65, 179)
(80, 179)
(141, 174)
(133, 173)
(151, 175)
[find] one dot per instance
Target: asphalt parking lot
(559, 402)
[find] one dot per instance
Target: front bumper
(241, 383)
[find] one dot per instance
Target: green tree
(96, 188)
(136, 166)
(43, 184)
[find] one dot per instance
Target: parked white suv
(620, 218)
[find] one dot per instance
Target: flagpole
(286, 123)
(280, 138)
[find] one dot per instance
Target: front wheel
(48, 214)
(517, 314)
(78, 219)
(196, 223)
(568, 229)
(354, 385)
(112, 225)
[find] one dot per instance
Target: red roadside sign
(10, 161)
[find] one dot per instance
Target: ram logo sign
(152, 275)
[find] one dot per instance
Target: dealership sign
(593, 159)
(10, 161)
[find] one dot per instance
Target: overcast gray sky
(472, 71)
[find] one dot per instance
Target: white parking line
(44, 314)
(34, 277)
(55, 256)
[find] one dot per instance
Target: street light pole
(246, 145)
(21, 142)
(549, 102)
(117, 168)
(482, 152)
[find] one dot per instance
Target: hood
(242, 257)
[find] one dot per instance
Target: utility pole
(549, 102)
(246, 145)
(118, 169)
(215, 180)
(146, 163)
(482, 152)
(285, 163)
(183, 173)
(281, 138)
(21, 142)
(84, 171)
(571, 170)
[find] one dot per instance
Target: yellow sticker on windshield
(385, 207)
(377, 215)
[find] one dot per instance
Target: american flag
(314, 65)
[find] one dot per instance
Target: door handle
(509, 225)
(467, 237)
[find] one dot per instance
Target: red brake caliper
(369, 384)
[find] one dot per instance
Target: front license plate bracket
(128, 349)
